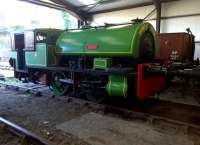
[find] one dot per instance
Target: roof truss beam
(82, 14)
(129, 7)
(61, 5)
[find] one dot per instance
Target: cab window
(29, 40)
(41, 37)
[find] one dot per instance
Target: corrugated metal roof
(83, 9)
(117, 4)
(80, 3)
(100, 5)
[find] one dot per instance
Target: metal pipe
(149, 14)
(186, 73)
(19, 131)
(177, 16)
(158, 15)
(67, 81)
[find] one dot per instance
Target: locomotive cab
(33, 49)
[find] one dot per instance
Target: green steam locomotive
(96, 61)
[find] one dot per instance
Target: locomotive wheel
(59, 88)
(95, 92)
(96, 96)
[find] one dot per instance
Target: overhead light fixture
(48, 1)
(109, 1)
(88, 2)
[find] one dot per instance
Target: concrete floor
(69, 123)
(189, 94)
(98, 129)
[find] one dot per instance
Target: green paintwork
(117, 86)
(110, 41)
(38, 57)
(102, 63)
(43, 56)
(44, 52)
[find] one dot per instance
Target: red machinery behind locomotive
(174, 59)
